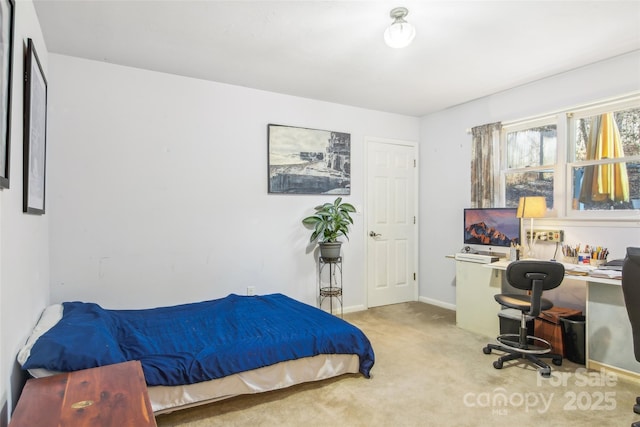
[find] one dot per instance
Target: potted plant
(330, 221)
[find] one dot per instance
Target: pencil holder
(584, 258)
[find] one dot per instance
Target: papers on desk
(577, 269)
(607, 274)
(587, 270)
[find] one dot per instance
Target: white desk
(476, 309)
(502, 265)
(609, 342)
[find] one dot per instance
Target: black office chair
(534, 276)
(631, 292)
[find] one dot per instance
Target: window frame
(504, 170)
(632, 101)
(565, 158)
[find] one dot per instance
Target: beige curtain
(485, 164)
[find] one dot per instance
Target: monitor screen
(491, 226)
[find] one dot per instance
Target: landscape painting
(309, 161)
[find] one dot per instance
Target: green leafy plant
(330, 221)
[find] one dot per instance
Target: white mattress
(166, 399)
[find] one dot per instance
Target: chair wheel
(486, 350)
(497, 364)
(545, 372)
(557, 361)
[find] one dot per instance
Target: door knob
(374, 234)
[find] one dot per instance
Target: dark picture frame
(308, 161)
(7, 29)
(35, 133)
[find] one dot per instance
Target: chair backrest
(535, 276)
(631, 292)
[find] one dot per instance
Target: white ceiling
(334, 50)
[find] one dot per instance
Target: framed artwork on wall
(308, 161)
(35, 133)
(7, 25)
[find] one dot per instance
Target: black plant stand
(330, 281)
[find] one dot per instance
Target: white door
(392, 232)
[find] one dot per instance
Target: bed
(201, 352)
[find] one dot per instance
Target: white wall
(24, 245)
(446, 152)
(158, 188)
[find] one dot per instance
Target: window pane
(603, 187)
(627, 123)
(532, 147)
(538, 183)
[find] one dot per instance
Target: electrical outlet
(251, 290)
(554, 236)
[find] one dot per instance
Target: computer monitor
(491, 227)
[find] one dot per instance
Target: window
(605, 172)
(531, 154)
(584, 162)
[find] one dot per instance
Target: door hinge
(414, 276)
(415, 163)
(414, 219)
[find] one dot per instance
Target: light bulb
(399, 34)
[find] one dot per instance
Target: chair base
(524, 353)
(513, 342)
(636, 407)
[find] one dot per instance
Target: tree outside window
(531, 155)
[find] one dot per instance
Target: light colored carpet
(428, 372)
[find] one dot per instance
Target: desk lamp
(531, 207)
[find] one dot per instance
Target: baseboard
(354, 308)
(623, 374)
(438, 303)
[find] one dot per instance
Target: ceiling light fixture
(400, 33)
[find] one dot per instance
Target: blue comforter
(189, 343)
